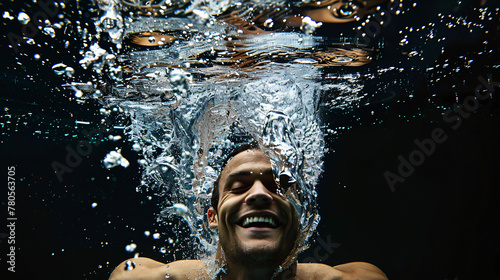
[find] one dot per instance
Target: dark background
(440, 223)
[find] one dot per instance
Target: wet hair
(241, 148)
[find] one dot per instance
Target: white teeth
(250, 220)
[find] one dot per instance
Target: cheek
(227, 208)
(292, 215)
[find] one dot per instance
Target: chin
(260, 251)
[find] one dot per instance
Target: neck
(244, 270)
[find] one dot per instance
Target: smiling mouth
(259, 221)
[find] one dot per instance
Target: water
(186, 88)
(184, 109)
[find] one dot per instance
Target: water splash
(278, 137)
(204, 87)
(196, 82)
(287, 160)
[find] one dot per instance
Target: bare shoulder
(317, 271)
(148, 269)
(354, 270)
(361, 270)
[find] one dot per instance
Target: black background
(440, 223)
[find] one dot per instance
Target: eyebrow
(245, 173)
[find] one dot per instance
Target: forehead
(248, 160)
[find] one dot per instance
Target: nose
(258, 195)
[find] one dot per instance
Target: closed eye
(239, 187)
(241, 181)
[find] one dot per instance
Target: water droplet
(69, 71)
(347, 10)
(269, 23)
(48, 30)
(130, 247)
(59, 68)
(108, 23)
(23, 18)
(114, 137)
(115, 158)
(97, 94)
(151, 39)
(7, 15)
(129, 265)
(136, 147)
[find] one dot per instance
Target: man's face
(253, 220)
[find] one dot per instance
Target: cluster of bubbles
(190, 102)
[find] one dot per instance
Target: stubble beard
(255, 257)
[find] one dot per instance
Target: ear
(212, 218)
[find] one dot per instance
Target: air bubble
(309, 26)
(59, 68)
(48, 30)
(7, 15)
(131, 247)
(269, 23)
(136, 147)
(347, 10)
(413, 53)
(69, 71)
(23, 18)
(114, 137)
(108, 23)
(129, 265)
(115, 158)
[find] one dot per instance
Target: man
(257, 230)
